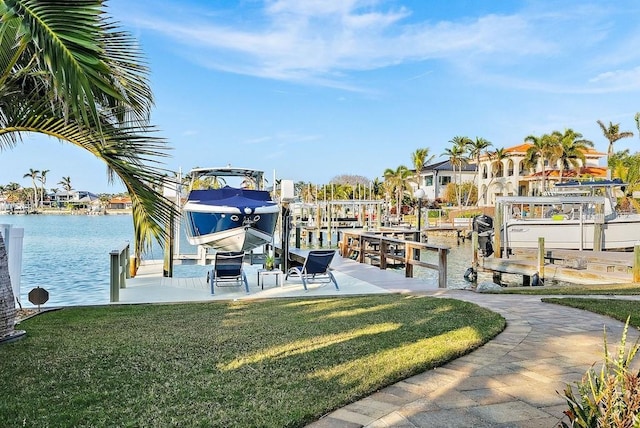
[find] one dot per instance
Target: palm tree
(397, 179)
(613, 134)
(475, 150)
(43, 181)
(456, 155)
(70, 73)
(627, 168)
(65, 182)
(498, 156)
(34, 175)
(420, 158)
(542, 149)
(571, 150)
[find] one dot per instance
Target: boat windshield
(217, 178)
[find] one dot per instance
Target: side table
(274, 272)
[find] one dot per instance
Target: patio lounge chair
(316, 265)
(228, 268)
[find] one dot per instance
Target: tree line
(561, 150)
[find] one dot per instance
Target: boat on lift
(237, 217)
(573, 215)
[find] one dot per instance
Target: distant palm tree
(613, 134)
(627, 168)
(397, 181)
(420, 158)
(542, 150)
(43, 181)
(498, 156)
(475, 148)
(65, 182)
(456, 155)
(34, 174)
(571, 150)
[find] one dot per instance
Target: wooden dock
(572, 266)
(384, 249)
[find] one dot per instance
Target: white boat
(229, 218)
(575, 215)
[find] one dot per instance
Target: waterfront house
(74, 198)
(435, 177)
(510, 177)
(119, 203)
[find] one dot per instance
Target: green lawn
(617, 309)
(620, 289)
(268, 363)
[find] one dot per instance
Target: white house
(510, 177)
(435, 177)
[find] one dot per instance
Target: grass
(617, 289)
(275, 363)
(614, 308)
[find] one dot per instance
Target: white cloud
(322, 42)
(619, 79)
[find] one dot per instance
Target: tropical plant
(420, 158)
(456, 155)
(571, 150)
(69, 72)
(397, 183)
(43, 181)
(626, 167)
(65, 182)
(543, 149)
(475, 148)
(34, 174)
(612, 133)
(610, 398)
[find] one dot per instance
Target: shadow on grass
(269, 363)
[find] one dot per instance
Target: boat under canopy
(229, 218)
(575, 215)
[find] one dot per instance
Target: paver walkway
(512, 381)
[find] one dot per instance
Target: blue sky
(318, 88)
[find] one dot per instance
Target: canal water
(69, 256)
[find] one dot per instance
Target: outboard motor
(483, 224)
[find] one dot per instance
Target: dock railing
(384, 249)
(119, 271)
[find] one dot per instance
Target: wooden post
(497, 225)
(474, 257)
(361, 248)
(541, 259)
(598, 225)
(442, 267)
(636, 263)
(408, 267)
(384, 247)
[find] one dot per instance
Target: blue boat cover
(232, 197)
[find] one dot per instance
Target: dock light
(419, 194)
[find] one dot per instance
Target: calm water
(69, 256)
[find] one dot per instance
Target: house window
(484, 172)
(444, 180)
(498, 169)
(428, 180)
(510, 168)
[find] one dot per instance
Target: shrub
(608, 399)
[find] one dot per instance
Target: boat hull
(571, 234)
(240, 222)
